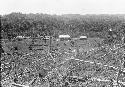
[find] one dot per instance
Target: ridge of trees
(15, 24)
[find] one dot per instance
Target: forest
(15, 24)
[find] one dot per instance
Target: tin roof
(64, 36)
(20, 36)
(83, 36)
(110, 29)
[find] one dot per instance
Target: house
(23, 37)
(20, 37)
(64, 37)
(83, 37)
(110, 29)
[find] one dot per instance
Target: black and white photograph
(62, 43)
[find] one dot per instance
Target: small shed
(64, 37)
(83, 37)
(20, 37)
(110, 29)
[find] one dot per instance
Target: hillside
(15, 24)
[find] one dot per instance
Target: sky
(60, 7)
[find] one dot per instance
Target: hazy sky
(63, 6)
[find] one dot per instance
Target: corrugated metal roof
(64, 36)
(20, 36)
(83, 36)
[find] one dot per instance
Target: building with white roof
(83, 37)
(110, 29)
(20, 37)
(64, 37)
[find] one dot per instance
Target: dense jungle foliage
(15, 24)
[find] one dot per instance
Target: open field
(84, 58)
